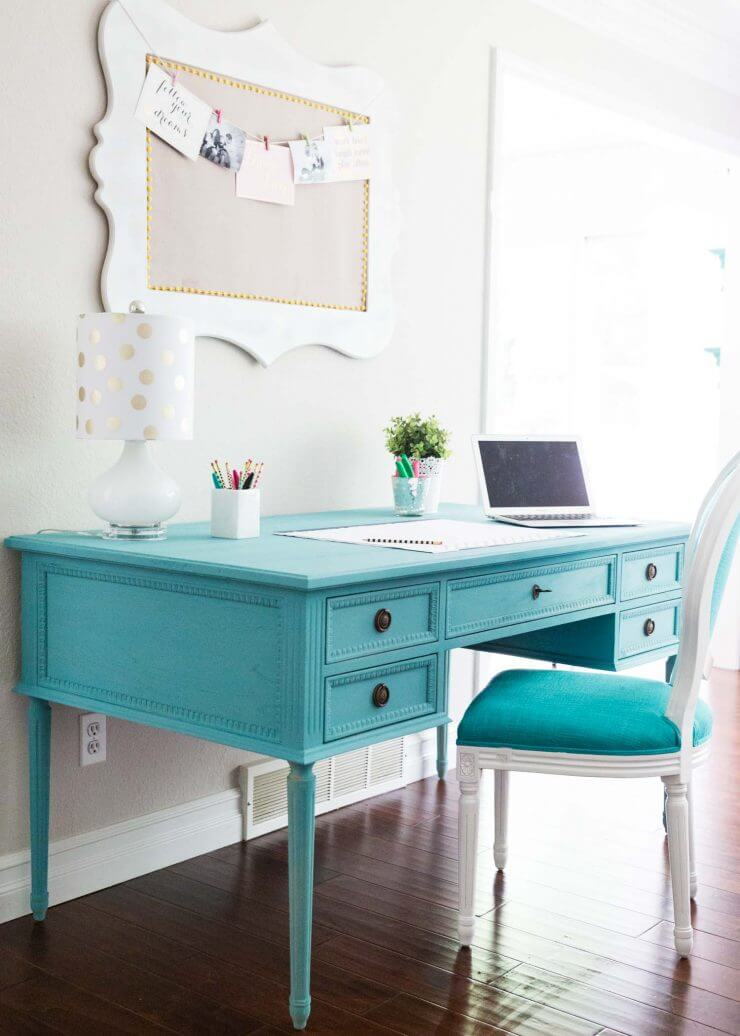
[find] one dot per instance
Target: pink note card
(266, 174)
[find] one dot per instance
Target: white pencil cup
(235, 513)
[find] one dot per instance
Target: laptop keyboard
(548, 517)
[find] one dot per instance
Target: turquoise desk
(301, 649)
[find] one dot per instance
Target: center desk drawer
(378, 697)
(507, 598)
(363, 624)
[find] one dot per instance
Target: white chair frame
(709, 535)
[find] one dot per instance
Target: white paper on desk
(455, 535)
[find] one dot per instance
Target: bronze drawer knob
(383, 619)
(651, 572)
(381, 695)
(537, 590)
(649, 627)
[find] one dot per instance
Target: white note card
(172, 112)
(435, 535)
(350, 151)
(266, 174)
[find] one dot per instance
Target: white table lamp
(134, 382)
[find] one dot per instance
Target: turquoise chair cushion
(546, 710)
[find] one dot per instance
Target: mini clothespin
(173, 75)
(267, 142)
(304, 138)
(218, 114)
(350, 124)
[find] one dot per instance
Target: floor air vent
(340, 780)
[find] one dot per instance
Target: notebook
(433, 536)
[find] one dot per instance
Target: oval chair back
(709, 554)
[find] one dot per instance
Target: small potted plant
(424, 440)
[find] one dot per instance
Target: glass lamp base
(158, 531)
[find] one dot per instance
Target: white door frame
(502, 63)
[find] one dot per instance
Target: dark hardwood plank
(13, 970)
(709, 947)
(574, 939)
(414, 1017)
(330, 916)
(705, 974)
(16, 1023)
(65, 1008)
(669, 993)
(455, 993)
(267, 1000)
(258, 959)
(628, 1016)
(156, 999)
(230, 902)
(261, 876)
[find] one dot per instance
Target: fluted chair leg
(677, 817)
(468, 852)
(693, 881)
(501, 817)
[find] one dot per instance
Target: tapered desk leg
(301, 802)
(442, 751)
(39, 755)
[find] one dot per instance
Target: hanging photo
(311, 161)
(223, 144)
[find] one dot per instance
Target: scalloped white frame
(129, 29)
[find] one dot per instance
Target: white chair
(604, 725)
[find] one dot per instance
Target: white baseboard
(120, 852)
(99, 859)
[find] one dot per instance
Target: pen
(216, 482)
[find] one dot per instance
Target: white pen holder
(235, 513)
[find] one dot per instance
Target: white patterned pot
(433, 468)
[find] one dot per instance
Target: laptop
(536, 481)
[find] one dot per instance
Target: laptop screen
(522, 474)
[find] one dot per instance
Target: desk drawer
(379, 697)
(648, 628)
(506, 598)
(363, 624)
(646, 572)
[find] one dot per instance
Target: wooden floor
(575, 938)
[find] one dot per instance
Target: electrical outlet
(92, 738)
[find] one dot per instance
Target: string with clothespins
(261, 138)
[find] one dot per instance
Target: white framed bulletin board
(267, 277)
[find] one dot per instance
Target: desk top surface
(305, 564)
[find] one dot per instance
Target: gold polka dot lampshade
(134, 376)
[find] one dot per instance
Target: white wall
(299, 412)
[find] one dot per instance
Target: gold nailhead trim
(354, 116)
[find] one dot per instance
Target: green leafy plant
(417, 437)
